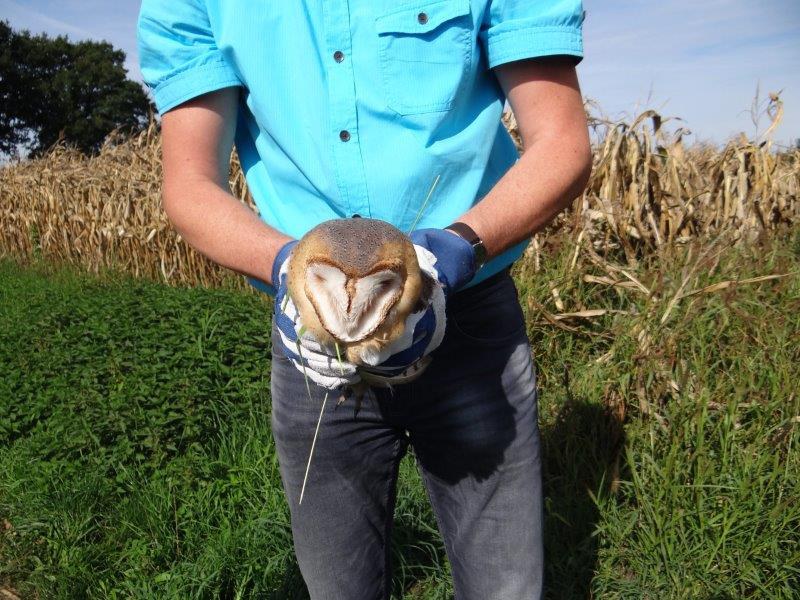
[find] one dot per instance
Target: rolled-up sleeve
(519, 29)
(178, 56)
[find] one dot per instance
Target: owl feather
(354, 282)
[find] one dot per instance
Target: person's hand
(401, 360)
(319, 363)
(397, 362)
(455, 257)
(450, 261)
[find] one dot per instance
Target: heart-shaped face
(354, 280)
(352, 308)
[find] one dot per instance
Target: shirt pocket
(425, 54)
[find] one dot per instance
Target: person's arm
(197, 137)
(556, 162)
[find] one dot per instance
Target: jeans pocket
(425, 54)
(489, 316)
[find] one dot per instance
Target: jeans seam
(426, 480)
(391, 499)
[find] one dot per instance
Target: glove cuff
(280, 258)
(455, 256)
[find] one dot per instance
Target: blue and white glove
(454, 257)
(394, 364)
(320, 363)
(444, 256)
(449, 259)
(424, 331)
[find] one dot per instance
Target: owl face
(354, 282)
(351, 308)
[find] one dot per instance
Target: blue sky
(700, 61)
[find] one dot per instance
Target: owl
(354, 283)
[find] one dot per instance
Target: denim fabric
(471, 419)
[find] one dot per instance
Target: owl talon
(359, 390)
(343, 397)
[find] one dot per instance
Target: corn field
(647, 191)
(662, 310)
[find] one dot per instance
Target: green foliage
(688, 493)
(710, 505)
(138, 461)
(51, 89)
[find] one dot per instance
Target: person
(388, 110)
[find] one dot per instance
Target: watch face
(466, 232)
(480, 254)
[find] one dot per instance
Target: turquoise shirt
(379, 108)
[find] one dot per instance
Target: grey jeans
(471, 419)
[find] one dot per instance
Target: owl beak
(352, 309)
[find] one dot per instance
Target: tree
(51, 89)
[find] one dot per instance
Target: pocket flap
(422, 17)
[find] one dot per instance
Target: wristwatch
(466, 232)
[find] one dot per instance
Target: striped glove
(319, 363)
(401, 360)
(397, 363)
(453, 255)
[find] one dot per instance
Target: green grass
(136, 458)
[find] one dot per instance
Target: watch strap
(468, 233)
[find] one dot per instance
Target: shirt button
(422, 18)
(356, 216)
(344, 135)
(338, 56)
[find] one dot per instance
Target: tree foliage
(52, 88)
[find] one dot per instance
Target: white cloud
(697, 60)
(24, 17)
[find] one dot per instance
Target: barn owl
(354, 282)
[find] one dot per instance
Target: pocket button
(422, 18)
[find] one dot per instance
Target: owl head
(354, 282)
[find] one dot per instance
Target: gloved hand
(423, 333)
(396, 362)
(455, 257)
(319, 363)
(449, 259)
